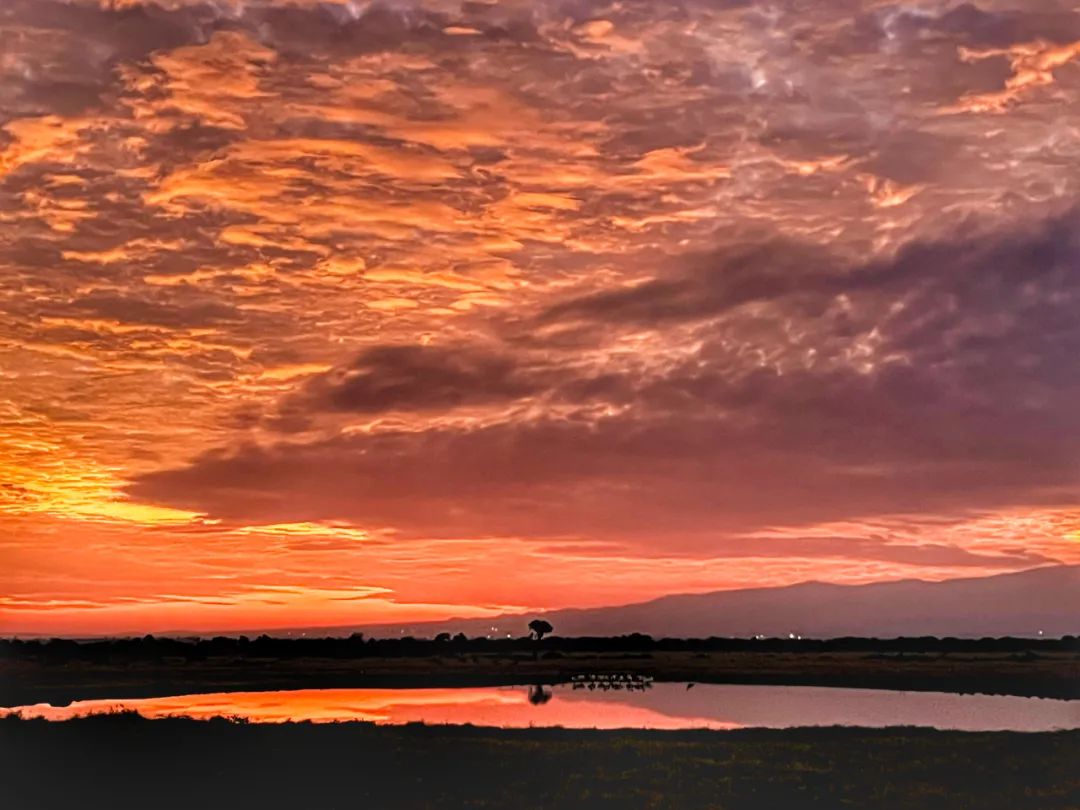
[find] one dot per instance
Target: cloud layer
(596, 284)
(936, 381)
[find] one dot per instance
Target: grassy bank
(124, 761)
(25, 680)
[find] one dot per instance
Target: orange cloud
(672, 301)
(1033, 65)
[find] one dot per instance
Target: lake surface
(662, 706)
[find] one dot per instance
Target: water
(662, 706)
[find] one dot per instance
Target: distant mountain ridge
(1028, 603)
(1045, 600)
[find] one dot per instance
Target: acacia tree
(539, 628)
(538, 695)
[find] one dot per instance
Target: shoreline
(25, 682)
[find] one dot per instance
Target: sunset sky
(355, 311)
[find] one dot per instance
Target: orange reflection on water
(505, 708)
(663, 706)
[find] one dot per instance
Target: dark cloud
(386, 378)
(980, 300)
(666, 481)
(966, 397)
(169, 309)
(764, 270)
(975, 27)
(63, 55)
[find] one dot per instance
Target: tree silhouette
(539, 628)
(538, 695)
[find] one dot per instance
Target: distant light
(1040, 632)
(791, 635)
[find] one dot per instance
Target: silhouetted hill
(1017, 604)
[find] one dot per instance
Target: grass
(123, 761)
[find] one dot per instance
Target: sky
(355, 311)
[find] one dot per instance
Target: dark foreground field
(123, 761)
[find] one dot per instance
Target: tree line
(357, 645)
